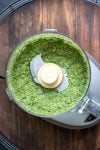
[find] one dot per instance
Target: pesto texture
(57, 49)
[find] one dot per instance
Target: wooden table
(77, 19)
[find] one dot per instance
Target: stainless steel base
(74, 120)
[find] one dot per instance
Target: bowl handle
(90, 105)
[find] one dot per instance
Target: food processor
(87, 112)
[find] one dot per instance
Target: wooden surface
(77, 19)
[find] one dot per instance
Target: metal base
(74, 120)
(6, 144)
(8, 6)
(97, 2)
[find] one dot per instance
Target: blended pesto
(57, 49)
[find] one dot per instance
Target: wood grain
(77, 19)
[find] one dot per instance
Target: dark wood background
(77, 19)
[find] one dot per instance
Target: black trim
(90, 118)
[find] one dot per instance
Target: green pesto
(57, 49)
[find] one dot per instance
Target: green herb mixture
(57, 49)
